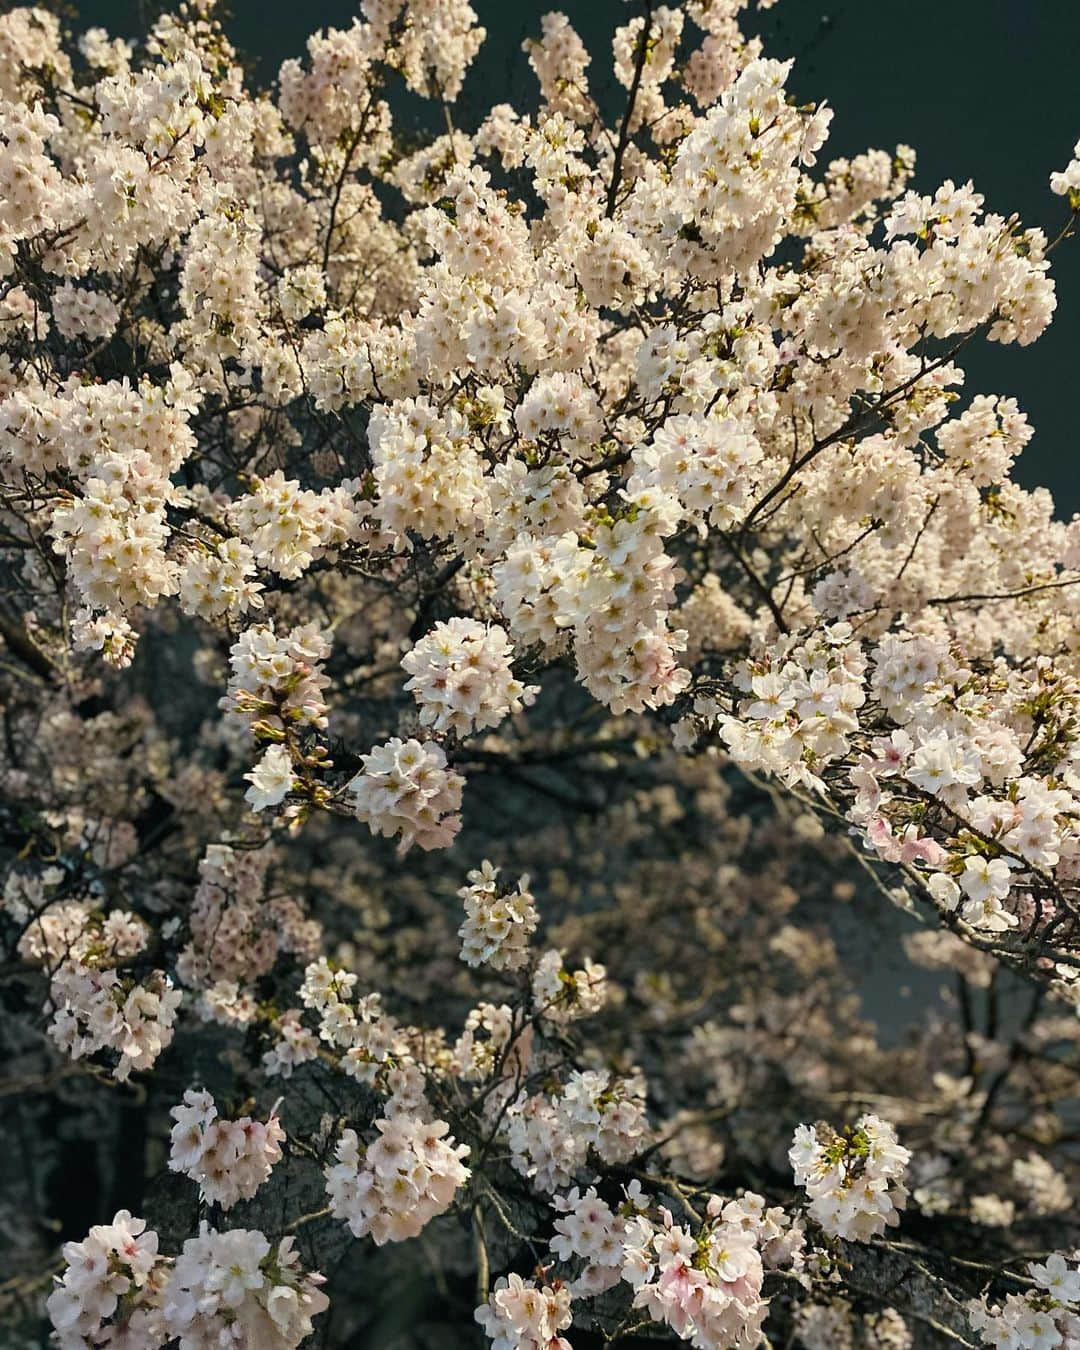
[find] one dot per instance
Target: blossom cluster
(706, 1287)
(703, 1280)
(461, 677)
(406, 788)
(94, 1003)
(1045, 1316)
(232, 1287)
(221, 1281)
(109, 1278)
(392, 1187)
(993, 773)
(562, 995)
(229, 1159)
(854, 1179)
(235, 932)
(498, 921)
(519, 1315)
(368, 1040)
(551, 1136)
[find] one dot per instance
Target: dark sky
(983, 89)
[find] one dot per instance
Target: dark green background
(983, 89)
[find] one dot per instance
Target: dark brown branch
(20, 645)
(624, 130)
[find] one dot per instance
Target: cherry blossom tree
(497, 629)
